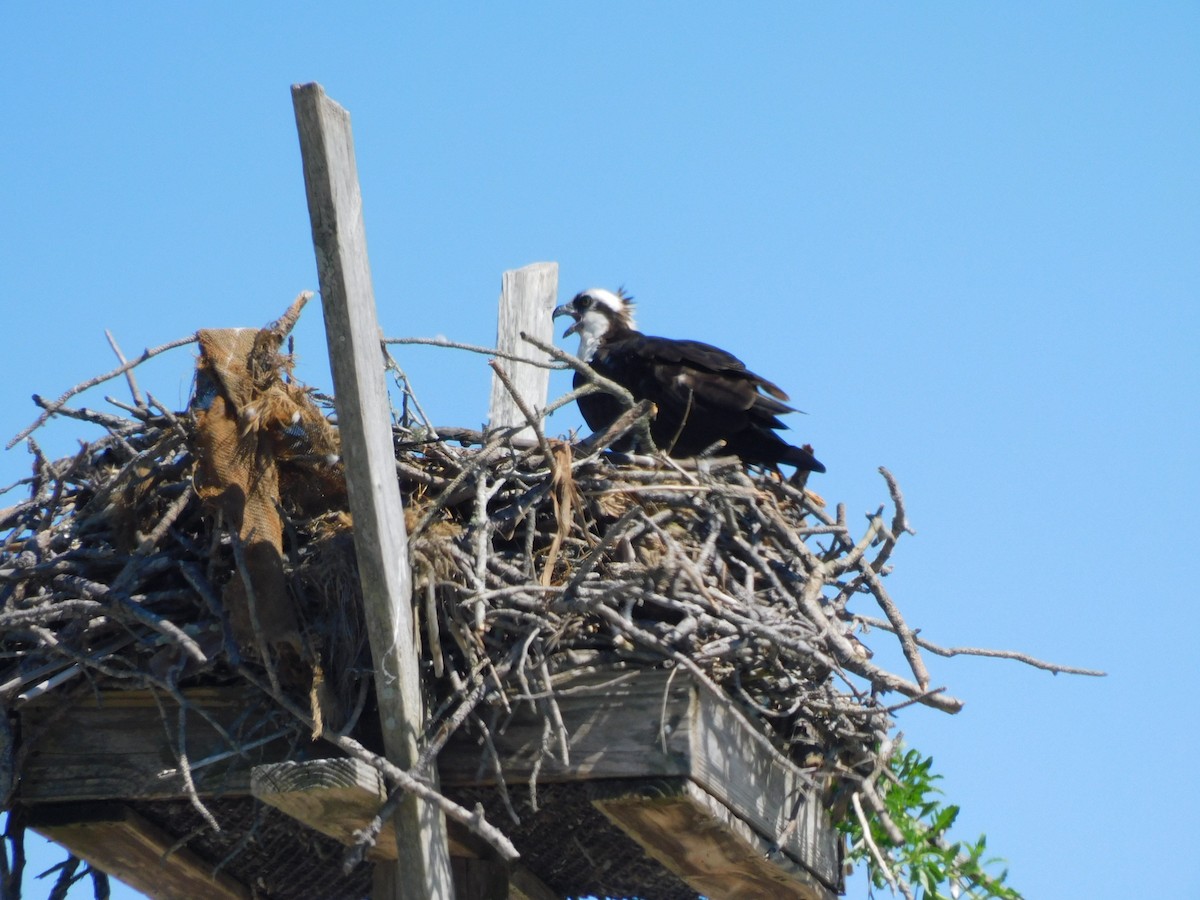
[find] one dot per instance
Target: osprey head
(596, 311)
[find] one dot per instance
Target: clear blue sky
(965, 237)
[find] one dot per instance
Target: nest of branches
(531, 559)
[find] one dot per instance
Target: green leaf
(927, 862)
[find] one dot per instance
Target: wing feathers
(702, 357)
(704, 395)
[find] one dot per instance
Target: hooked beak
(567, 310)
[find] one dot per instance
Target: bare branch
(1056, 668)
(472, 348)
(53, 407)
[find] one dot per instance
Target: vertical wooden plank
(527, 298)
(380, 541)
(480, 879)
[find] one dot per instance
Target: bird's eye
(585, 301)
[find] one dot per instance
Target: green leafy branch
(904, 841)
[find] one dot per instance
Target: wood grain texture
(527, 297)
(336, 797)
(629, 728)
(763, 788)
(380, 541)
(479, 879)
(714, 852)
(129, 745)
(118, 841)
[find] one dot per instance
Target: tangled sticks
(530, 560)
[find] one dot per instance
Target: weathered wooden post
(422, 868)
(526, 301)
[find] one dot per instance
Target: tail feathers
(802, 458)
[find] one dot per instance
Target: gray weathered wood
(352, 330)
(128, 754)
(764, 789)
(527, 297)
(621, 725)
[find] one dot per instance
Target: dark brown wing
(707, 358)
(708, 380)
(704, 395)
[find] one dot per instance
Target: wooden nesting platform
(666, 793)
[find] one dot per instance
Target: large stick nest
(126, 564)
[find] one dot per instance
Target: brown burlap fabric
(249, 419)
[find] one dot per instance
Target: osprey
(703, 394)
